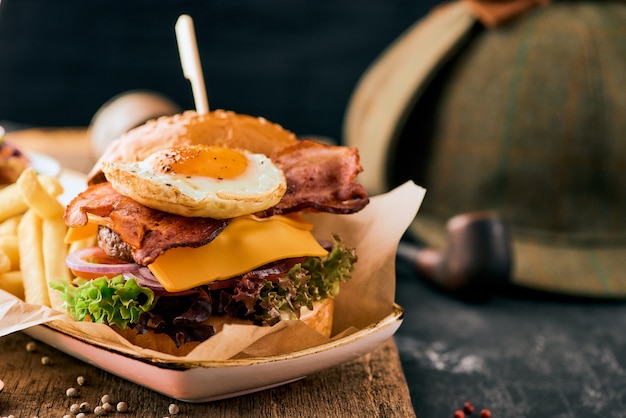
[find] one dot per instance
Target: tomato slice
(222, 284)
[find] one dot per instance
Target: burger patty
(113, 246)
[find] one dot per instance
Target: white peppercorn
(105, 399)
(74, 408)
(31, 346)
(84, 407)
(71, 392)
(173, 409)
(80, 380)
(45, 360)
(98, 410)
(122, 407)
(108, 407)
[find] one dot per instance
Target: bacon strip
(319, 177)
(149, 231)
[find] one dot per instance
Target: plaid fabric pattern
(529, 119)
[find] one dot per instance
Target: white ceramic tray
(200, 381)
(44, 164)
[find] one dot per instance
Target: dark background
(295, 62)
(520, 354)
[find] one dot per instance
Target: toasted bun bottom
(320, 319)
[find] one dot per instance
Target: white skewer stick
(190, 61)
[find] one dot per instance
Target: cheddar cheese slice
(81, 232)
(246, 243)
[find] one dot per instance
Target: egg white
(258, 188)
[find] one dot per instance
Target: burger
(198, 220)
(12, 161)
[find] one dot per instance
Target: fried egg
(200, 180)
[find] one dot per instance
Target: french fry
(5, 262)
(54, 254)
(12, 199)
(83, 243)
(31, 259)
(9, 226)
(11, 282)
(36, 197)
(52, 185)
(12, 202)
(9, 246)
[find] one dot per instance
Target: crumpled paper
(15, 315)
(364, 300)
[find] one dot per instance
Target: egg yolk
(203, 160)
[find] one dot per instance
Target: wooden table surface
(373, 385)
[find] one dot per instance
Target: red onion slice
(145, 278)
(93, 262)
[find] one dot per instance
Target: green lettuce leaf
(115, 301)
(315, 279)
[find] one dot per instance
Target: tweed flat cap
(527, 119)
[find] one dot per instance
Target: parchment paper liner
(365, 299)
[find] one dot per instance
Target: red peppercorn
(459, 414)
(485, 413)
(468, 408)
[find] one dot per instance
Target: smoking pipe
(475, 263)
